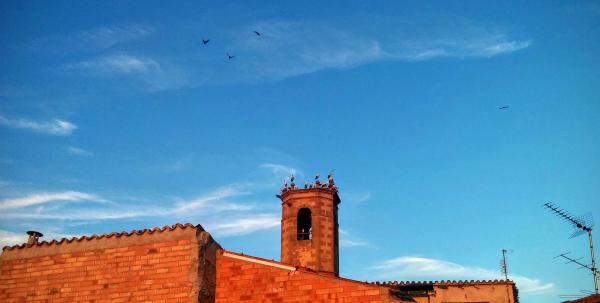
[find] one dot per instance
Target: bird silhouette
(205, 41)
(503, 107)
(230, 56)
(257, 33)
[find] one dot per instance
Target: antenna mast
(503, 267)
(580, 224)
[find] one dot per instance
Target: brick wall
(248, 279)
(160, 265)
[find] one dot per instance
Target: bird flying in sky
(205, 41)
(257, 33)
(230, 56)
(503, 107)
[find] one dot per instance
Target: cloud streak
(153, 74)
(117, 64)
(243, 226)
(8, 238)
(215, 200)
(279, 170)
(411, 267)
(288, 49)
(108, 36)
(43, 198)
(55, 127)
(233, 204)
(87, 215)
(483, 47)
(348, 241)
(285, 49)
(79, 151)
(210, 203)
(239, 218)
(93, 39)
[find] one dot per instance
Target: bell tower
(309, 225)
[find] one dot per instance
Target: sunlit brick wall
(157, 267)
(258, 281)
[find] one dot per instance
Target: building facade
(457, 291)
(183, 263)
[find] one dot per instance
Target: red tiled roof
(107, 236)
(442, 282)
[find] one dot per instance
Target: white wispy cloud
(56, 127)
(234, 204)
(115, 213)
(118, 64)
(347, 240)
(8, 238)
(79, 151)
(287, 49)
(234, 219)
(228, 225)
(107, 36)
(93, 39)
(153, 74)
(482, 45)
(279, 170)
(216, 200)
(42, 198)
(246, 225)
(501, 47)
(531, 285)
(414, 267)
(293, 48)
(203, 206)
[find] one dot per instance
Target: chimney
(33, 237)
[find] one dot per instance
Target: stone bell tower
(309, 225)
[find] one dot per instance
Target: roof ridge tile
(138, 232)
(442, 282)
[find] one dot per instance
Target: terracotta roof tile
(107, 236)
(442, 282)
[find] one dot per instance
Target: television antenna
(581, 225)
(503, 266)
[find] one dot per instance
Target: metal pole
(593, 261)
(505, 272)
(504, 269)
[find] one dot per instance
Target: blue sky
(114, 116)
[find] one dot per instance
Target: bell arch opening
(304, 224)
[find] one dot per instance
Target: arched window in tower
(304, 224)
